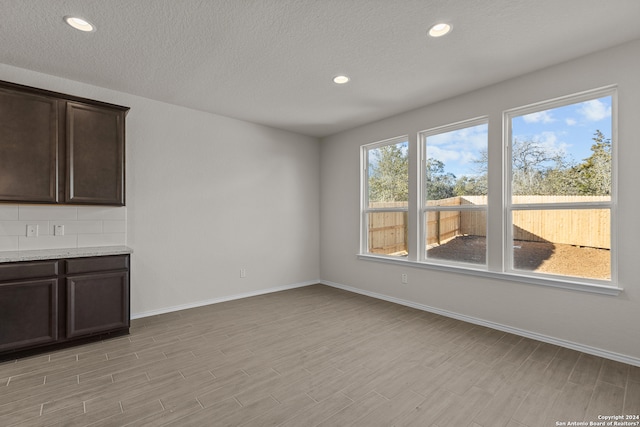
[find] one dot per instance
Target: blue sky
(568, 130)
(565, 130)
(458, 149)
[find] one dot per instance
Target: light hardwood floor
(314, 356)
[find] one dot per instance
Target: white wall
(596, 322)
(206, 196)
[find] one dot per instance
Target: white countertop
(35, 255)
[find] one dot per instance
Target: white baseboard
(521, 332)
(221, 299)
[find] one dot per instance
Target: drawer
(102, 263)
(28, 270)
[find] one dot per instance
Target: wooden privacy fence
(388, 230)
(445, 225)
(578, 227)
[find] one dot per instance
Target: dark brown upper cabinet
(29, 132)
(95, 155)
(57, 148)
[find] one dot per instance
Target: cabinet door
(28, 147)
(97, 303)
(95, 155)
(28, 313)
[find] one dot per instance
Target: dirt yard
(534, 256)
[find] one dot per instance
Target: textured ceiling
(272, 61)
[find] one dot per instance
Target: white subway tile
(114, 227)
(19, 228)
(48, 212)
(91, 240)
(48, 242)
(9, 243)
(77, 227)
(84, 226)
(102, 212)
(9, 212)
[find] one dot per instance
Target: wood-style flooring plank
(632, 398)
(354, 412)
(313, 356)
(606, 397)
(534, 409)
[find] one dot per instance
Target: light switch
(32, 230)
(58, 230)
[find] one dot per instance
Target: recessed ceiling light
(79, 23)
(439, 30)
(340, 80)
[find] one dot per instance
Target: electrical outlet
(243, 273)
(58, 230)
(32, 230)
(405, 278)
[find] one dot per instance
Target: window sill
(563, 284)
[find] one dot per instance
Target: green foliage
(471, 186)
(440, 184)
(389, 174)
(536, 171)
(593, 176)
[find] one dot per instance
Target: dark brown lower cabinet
(58, 303)
(35, 304)
(97, 303)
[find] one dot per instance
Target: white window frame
(510, 207)
(364, 195)
(424, 209)
(499, 207)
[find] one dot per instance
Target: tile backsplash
(84, 226)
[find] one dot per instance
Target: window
(561, 188)
(454, 193)
(385, 197)
(534, 203)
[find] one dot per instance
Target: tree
(531, 166)
(389, 174)
(560, 181)
(594, 174)
(539, 171)
(471, 185)
(478, 183)
(536, 170)
(440, 184)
